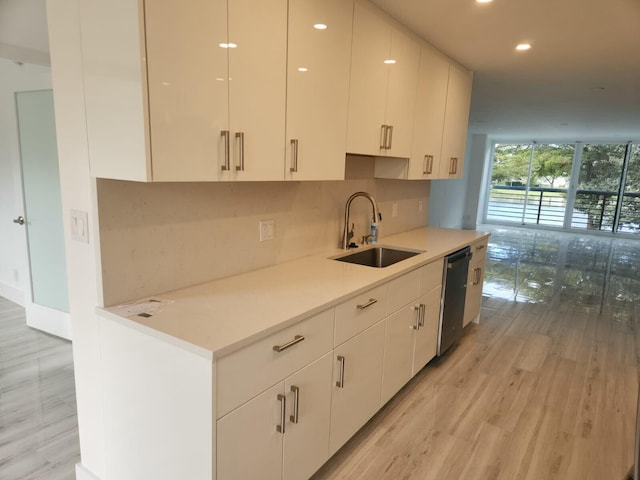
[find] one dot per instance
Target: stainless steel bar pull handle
(294, 155)
(423, 312)
(383, 137)
(340, 382)
(296, 403)
(19, 220)
(453, 167)
(296, 339)
(418, 309)
(240, 137)
(283, 408)
(225, 135)
(428, 165)
(371, 301)
(389, 141)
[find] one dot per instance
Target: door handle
(19, 220)
(225, 135)
(240, 138)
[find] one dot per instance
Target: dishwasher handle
(459, 257)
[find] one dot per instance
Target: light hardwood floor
(38, 424)
(544, 388)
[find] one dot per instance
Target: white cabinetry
(475, 279)
(163, 84)
(440, 123)
(412, 331)
(431, 102)
(384, 74)
(357, 376)
(318, 69)
(456, 121)
(282, 433)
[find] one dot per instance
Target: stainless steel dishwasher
(456, 270)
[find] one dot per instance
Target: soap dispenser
(373, 232)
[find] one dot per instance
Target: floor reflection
(556, 268)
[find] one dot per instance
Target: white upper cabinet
(456, 120)
(188, 88)
(114, 66)
(185, 91)
(401, 95)
(431, 102)
(384, 71)
(319, 54)
(257, 86)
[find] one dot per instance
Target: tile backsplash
(157, 237)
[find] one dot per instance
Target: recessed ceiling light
(484, 1)
(227, 45)
(320, 26)
(523, 46)
(303, 69)
(390, 61)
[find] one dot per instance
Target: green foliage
(600, 170)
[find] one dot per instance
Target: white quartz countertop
(218, 317)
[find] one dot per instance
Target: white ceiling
(583, 69)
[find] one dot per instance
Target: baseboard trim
(49, 320)
(12, 294)
(82, 473)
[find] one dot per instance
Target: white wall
(78, 192)
(164, 236)
(14, 273)
(479, 147)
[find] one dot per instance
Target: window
(530, 184)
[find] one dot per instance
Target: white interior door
(47, 303)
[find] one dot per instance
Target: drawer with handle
(245, 373)
(359, 313)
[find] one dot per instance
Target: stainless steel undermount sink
(378, 257)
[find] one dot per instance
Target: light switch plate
(80, 226)
(267, 230)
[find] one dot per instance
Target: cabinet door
(257, 84)
(456, 120)
(369, 80)
(355, 402)
(426, 338)
(401, 96)
(187, 88)
(318, 68)
(475, 279)
(248, 443)
(306, 441)
(429, 117)
(398, 350)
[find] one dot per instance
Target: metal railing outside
(592, 209)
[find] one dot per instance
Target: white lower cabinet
(398, 350)
(357, 375)
(475, 279)
(283, 433)
(426, 337)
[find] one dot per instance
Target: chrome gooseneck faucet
(348, 234)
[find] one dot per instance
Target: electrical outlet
(420, 206)
(80, 226)
(394, 209)
(267, 230)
